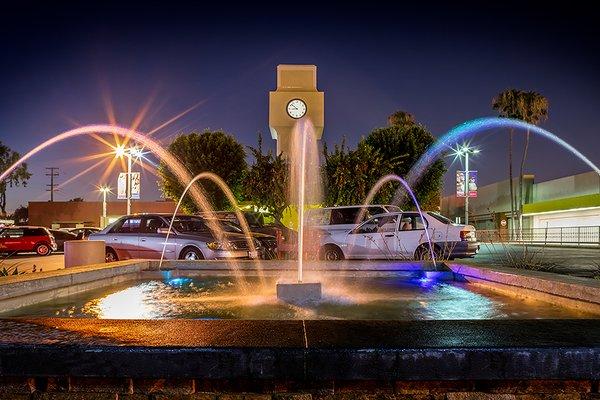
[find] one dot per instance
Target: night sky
(443, 63)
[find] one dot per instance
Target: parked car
(401, 235)
(61, 237)
(83, 233)
(268, 243)
(259, 222)
(143, 236)
(16, 239)
(343, 218)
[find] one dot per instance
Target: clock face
(296, 108)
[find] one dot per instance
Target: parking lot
(575, 261)
(27, 261)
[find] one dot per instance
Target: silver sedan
(144, 236)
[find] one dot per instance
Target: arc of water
(378, 185)
(470, 128)
(172, 163)
(243, 223)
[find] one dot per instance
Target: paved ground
(574, 261)
(26, 261)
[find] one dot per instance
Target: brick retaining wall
(73, 388)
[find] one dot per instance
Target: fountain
(469, 128)
(304, 167)
(172, 163)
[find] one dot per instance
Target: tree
(266, 182)
(403, 143)
(76, 200)
(401, 118)
(348, 175)
(209, 151)
(20, 215)
(18, 177)
(530, 107)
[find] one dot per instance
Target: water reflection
(387, 298)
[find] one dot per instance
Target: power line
(53, 172)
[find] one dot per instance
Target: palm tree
(530, 107)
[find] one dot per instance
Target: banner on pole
(472, 185)
(135, 185)
(460, 184)
(122, 186)
(464, 188)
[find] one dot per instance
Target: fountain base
(299, 292)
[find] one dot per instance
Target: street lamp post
(466, 151)
(130, 153)
(104, 190)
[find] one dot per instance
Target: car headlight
(222, 246)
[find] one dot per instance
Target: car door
(359, 241)
(151, 242)
(383, 243)
(124, 238)
(11, 240)
(411, 233)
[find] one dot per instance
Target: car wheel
(191, 254)
(331, 253)
(423, 253)
(111, 256)
(42, 249)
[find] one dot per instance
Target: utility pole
(52, 172)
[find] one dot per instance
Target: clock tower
(296, 97)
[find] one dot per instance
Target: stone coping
(290, 265)
(25, 284)
(566, 286)
(302, 350)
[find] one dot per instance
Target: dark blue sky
(442, 63)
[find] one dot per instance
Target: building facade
(571, 201)
(71, 214)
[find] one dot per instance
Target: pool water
(386, 298)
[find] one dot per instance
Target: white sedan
(401, 235)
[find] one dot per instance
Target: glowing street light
(131, 153)
(104, 190)
(465, 151)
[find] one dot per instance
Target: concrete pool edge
(303, 350)
(566, 291)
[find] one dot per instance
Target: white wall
(568, 218)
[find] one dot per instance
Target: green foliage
(212, 151)
(20, 215)
(18, 177)
(266, 183)
(401, 118)
(405, 143)
(348, 175)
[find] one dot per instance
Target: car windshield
(230, 227)
(186, 224)
(441, 218)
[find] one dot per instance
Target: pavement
(576, 261)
